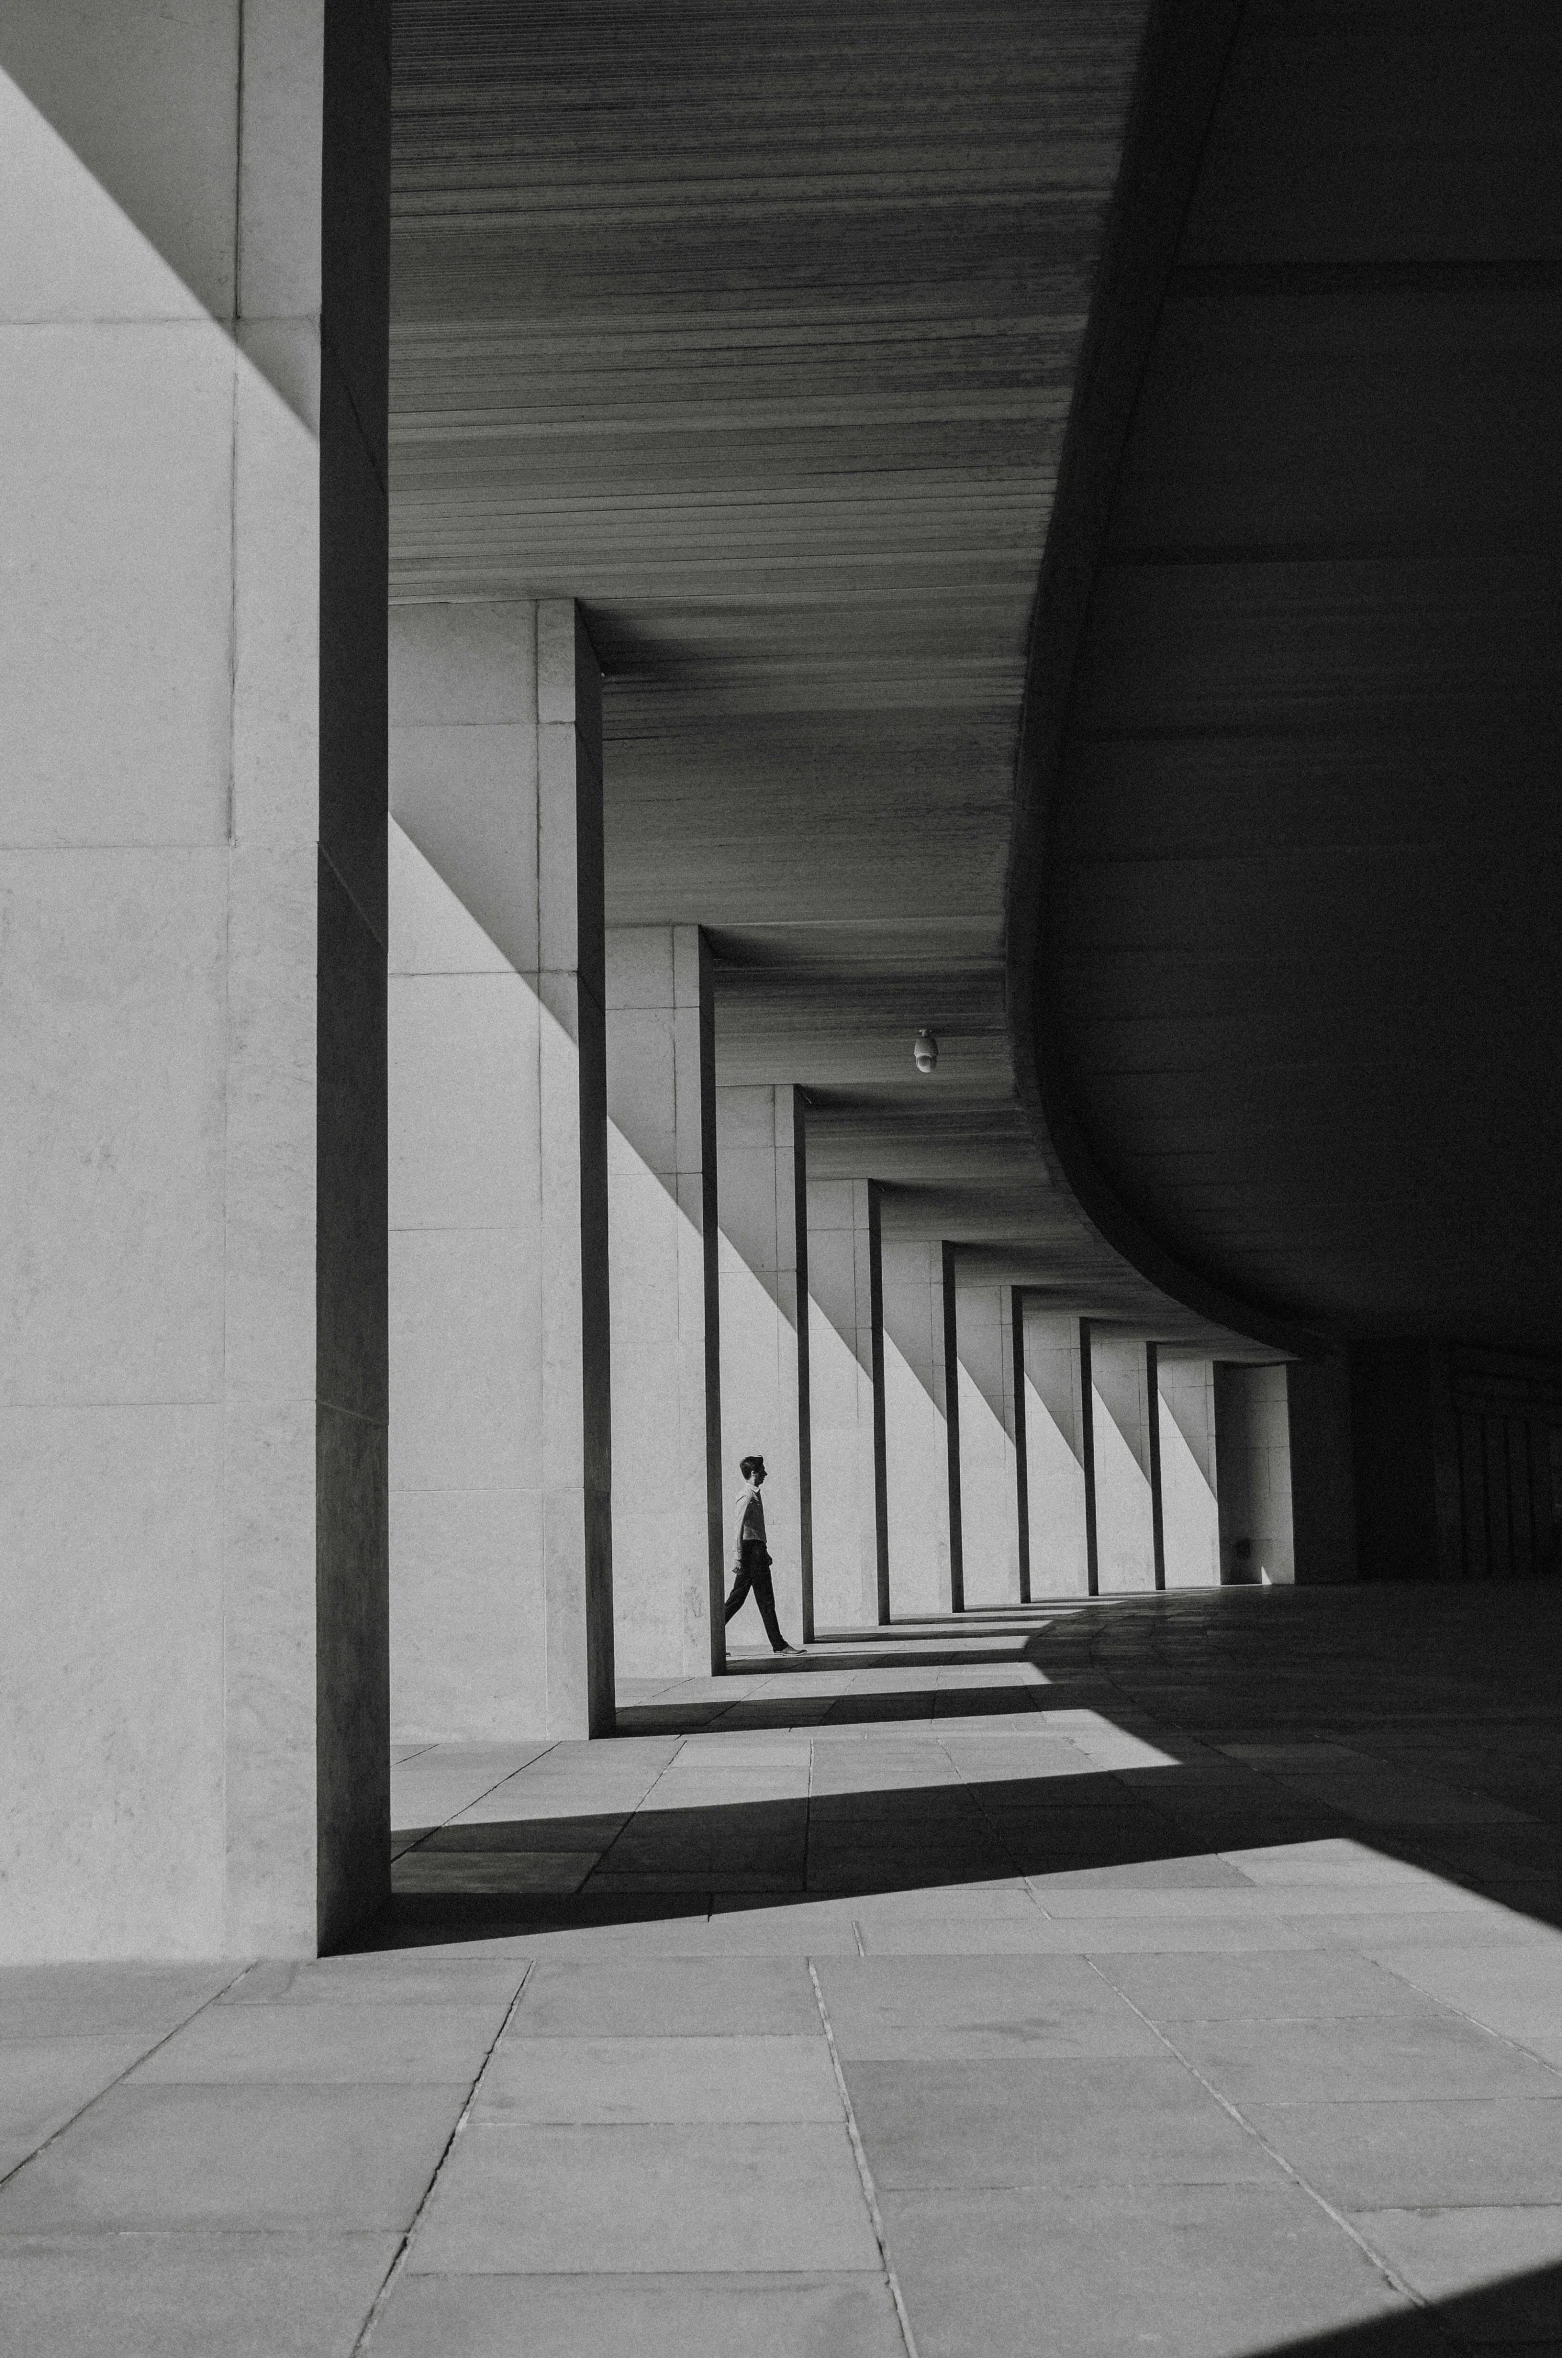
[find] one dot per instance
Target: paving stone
(1189, 2271)
(104, 2001)
(923, 2008)
(560, 2080)
(659, 1999)
(806, 2315)
(1447, 2150)
(601, 2200)
(386, 1977)
(1305, 1986)
(1383, 2058)
(1048, 2124)
(332, 2159)
(322, 2045)
(187, 2295)
(45, 2082)
(1495, 2274)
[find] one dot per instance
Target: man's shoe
(787, 1649)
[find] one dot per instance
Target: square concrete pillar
(501, 1543)
(192, 963)
(1253, 1442)
(1189, 1480)
(667, 1472)
(846, 1357)
(1124, 1456)
(916, 1427)
(762, 1157)
(1054, 1452)
(989, 1492)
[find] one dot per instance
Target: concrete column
(501, 1547)
(952, 1417)
(1087, 1427)
(1054, 1453)
(762, 1165)
(1407, 1474)
(1189, 1487)
(1021, 1441)
(1254, 1467)
(1123, 1467)
(1323, 1505)
(989, 1494)
(916, 1427)
(846, 1351)
(192, 967)
(667, 1470)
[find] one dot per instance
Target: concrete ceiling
(754, 326)
(1301, 959)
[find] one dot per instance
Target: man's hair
(746, 1465)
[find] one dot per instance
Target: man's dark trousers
(754, 1573)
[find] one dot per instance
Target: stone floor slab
(331, 2159)
(1453, 2150)
(806, 2315)
(660, 1999)
(1388, 2058)
(324, 2045)
(188, 2295)
(515, 2200)
(922, 2008)
(1024, 2123)
(1218, 2272)
(559, 2080)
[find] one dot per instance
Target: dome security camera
(924, 1050)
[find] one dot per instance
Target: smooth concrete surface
(1122, 1469)
(846, 1396)
(1190, 1510)
(989, 1490)
(501, 1597)
(192, 1385)
(1257, 1542)
(762, 1167)
(666, 1312)
(1055, 1453)
(1089, 1977)
(916, 1427)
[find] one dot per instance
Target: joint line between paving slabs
(1385, 2268)
(394, 2272)
(97, 2096)
(472, 1804)
(875, 2216)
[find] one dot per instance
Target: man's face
(758, 1474)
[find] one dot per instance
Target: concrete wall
(916, 1427)
(1190, 1512)
(501, 1588)
(762, 1166)
(850, 1491)
(1254, 1445)
(1055, 1453)
(192, 962)
(667, 1474)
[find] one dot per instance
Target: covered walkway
(1170, 1973)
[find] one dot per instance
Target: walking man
(753, 1569)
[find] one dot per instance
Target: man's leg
(765, 1599)
(740, 1586)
